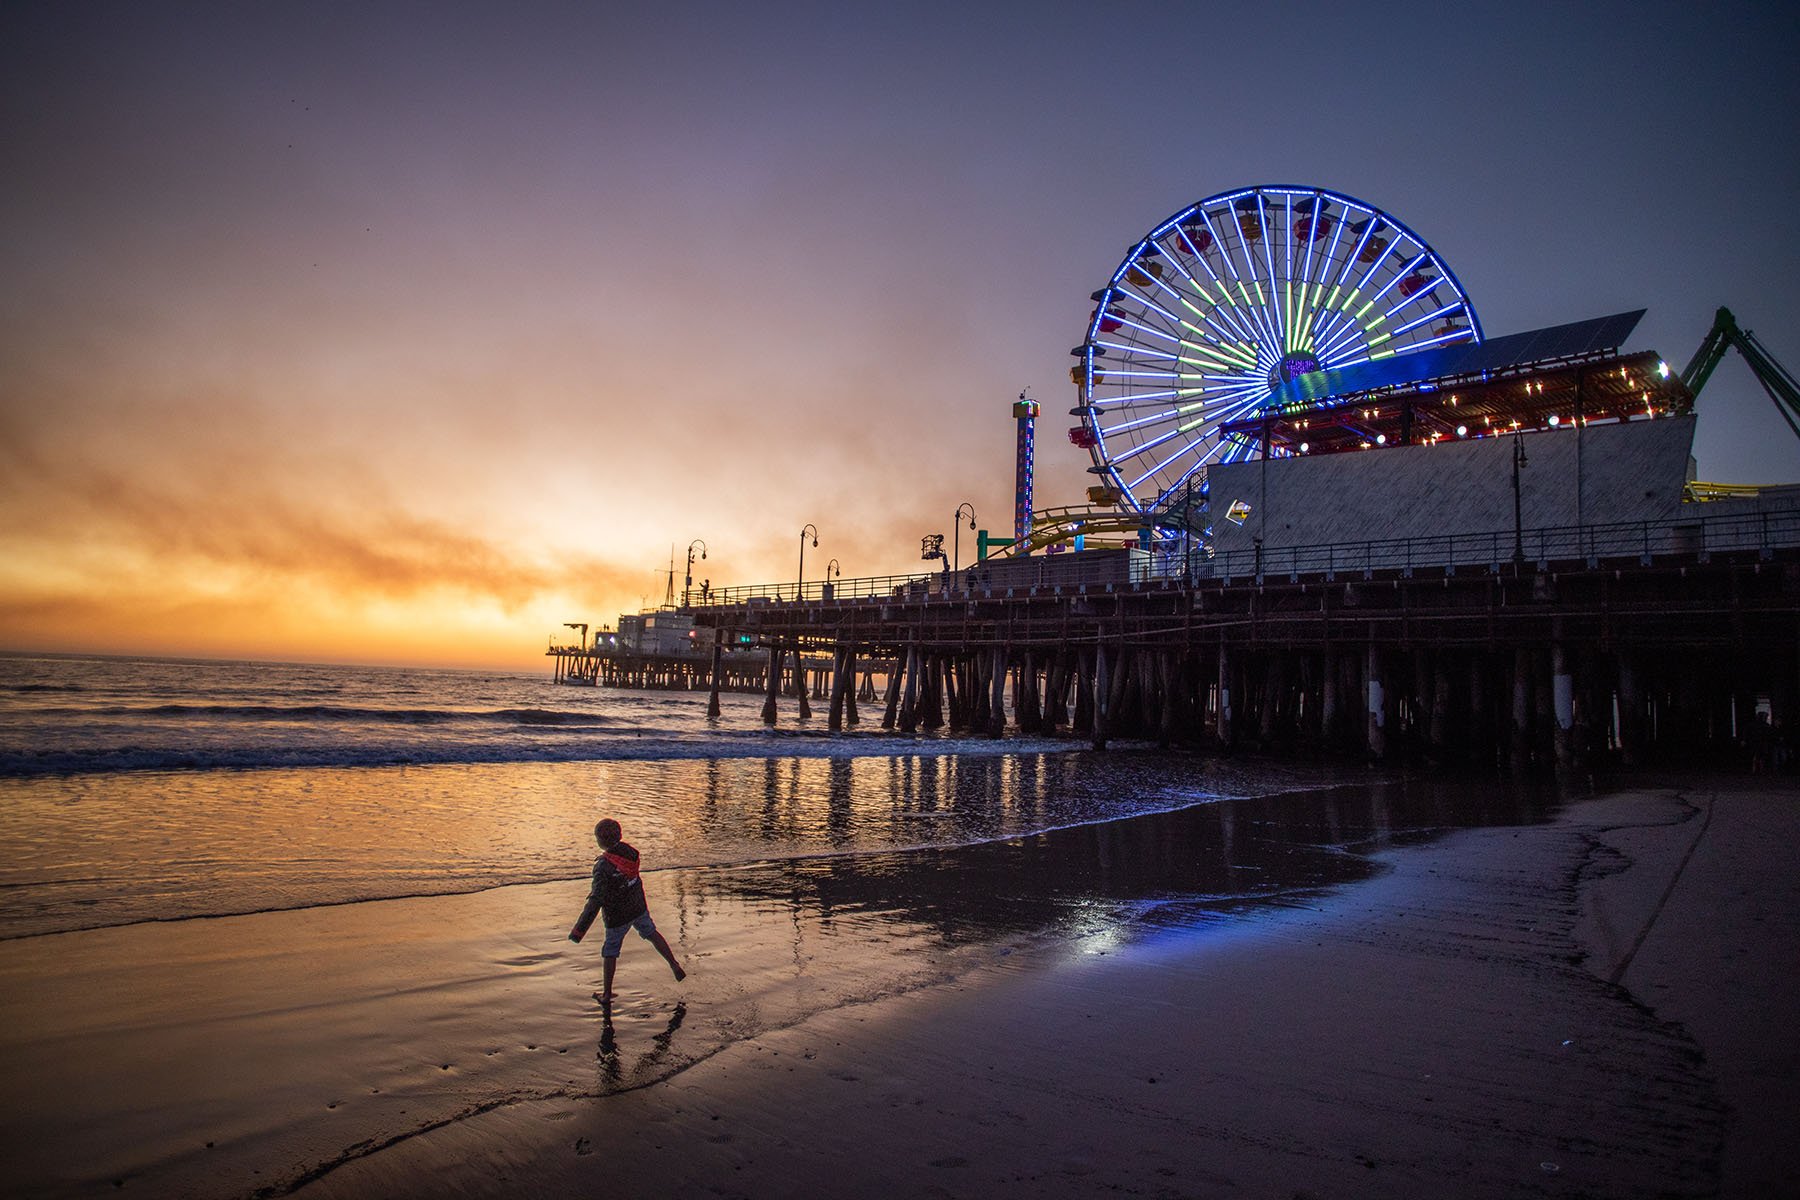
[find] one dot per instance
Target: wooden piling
(800, 673)
(718, 672)
(850, 715)
(776, 653)
(840, 685)
(997, 714)
(909, 710)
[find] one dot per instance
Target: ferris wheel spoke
(1173, 319)
(1144, 319)
(1149, 329)
(1443, 310)
(1186, 447)
(1421, 295)
(1248, 281)
(1145, 351)
(1167, 414)
(1233, 330)
(1342, 343)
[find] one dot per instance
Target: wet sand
(1268, 1020)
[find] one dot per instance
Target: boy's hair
(607, 833)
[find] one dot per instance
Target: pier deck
(1631, 642)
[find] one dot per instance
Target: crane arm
(1712, 349)
(1775, 379)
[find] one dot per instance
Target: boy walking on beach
(619, 894)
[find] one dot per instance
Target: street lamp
(832, 570)
(688, 584)
(1187, 535)
(1519, 464)
(800, 588)
(956, 542)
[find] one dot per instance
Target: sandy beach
(1596, 1005)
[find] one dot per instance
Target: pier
(1671, 642)
(805, 677)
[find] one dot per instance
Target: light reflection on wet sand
(286, 1040)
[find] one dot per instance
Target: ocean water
(139, 790)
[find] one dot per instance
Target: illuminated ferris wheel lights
(1252, 288)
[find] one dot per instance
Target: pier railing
(1642, 542)
(1591, 546)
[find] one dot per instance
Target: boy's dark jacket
(616, 891)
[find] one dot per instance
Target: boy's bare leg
(607, 967)
(662, 947)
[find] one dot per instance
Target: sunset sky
(406, 332)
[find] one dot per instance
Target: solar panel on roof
(1576, 339)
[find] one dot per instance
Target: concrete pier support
(1437, 733)
(1562, 688)
(1165, 679)
(1328, 697)
(1377, 704)
(1222, 726)
(1631, 713)
(1097, 703)
(1520, 755)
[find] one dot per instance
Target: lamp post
(1187, 535)
(833, 571)
(956, 542)
(688, 583)
(800, 584)
(1519, 463)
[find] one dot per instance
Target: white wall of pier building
(1602, 474)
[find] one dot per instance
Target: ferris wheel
(1226, 301)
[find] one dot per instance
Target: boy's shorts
(615, 934)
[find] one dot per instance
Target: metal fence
(1635, 541)
(1589, 545)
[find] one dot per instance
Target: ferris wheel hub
(1294, 365)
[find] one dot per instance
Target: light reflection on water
(1168, 867)
(101, 849)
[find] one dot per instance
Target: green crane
(1772, 375)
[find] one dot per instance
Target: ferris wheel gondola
(1227, 300)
